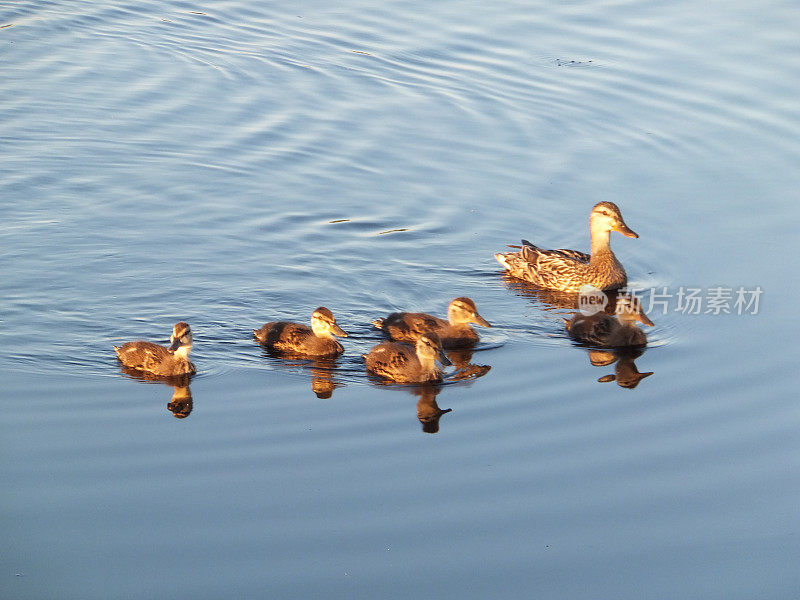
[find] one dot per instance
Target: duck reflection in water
(619, 334)
(428, 411)
(626, 374)
(322, 380)
(320, 368)
(555, 300)
(181, 403)
(299, 345)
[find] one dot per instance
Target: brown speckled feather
(563, 270)
(153, 358)
(408, 327)
(283, 336)
(453, 333)
(605, 331)
(398, 362)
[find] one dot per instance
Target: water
(232, 163)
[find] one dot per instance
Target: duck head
(462, 311)
(181, 339)
(628, 310)
(606, 216)
(323, 323)
(429, 349)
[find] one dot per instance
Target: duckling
(455, 332)
(403, 363)
(568, 270)
(158, 360)
(607, 331)
(294, 338)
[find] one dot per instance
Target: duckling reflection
(322, 380)
(626, 374)
(605, 331)
(181, 403)
(461, 359)
(321, 368)
(428, 411)
(455, 332)
(554, 300)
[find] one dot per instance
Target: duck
(453, 333)
(611, 331)
(569, 270)
(160, 360)
(399, 362)
(294, 338)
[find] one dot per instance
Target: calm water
(230, 163)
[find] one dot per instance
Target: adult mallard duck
(455, 332)
(607, 331)
(159, 360)
(402, 363)
(568, 270)
(294, 338)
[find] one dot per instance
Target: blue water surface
(230, 163)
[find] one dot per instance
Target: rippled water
(231, 163)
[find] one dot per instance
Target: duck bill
(336, 330)
(643, 318)
(625, 230)
(176, 343)
(443, 359)
(479, 320)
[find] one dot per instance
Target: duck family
(415, 349)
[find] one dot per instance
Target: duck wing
(595, 330)
(574, 254)
(142, 355)
(388, 359)
(533, 251)
(410, 326)
(282, 335)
